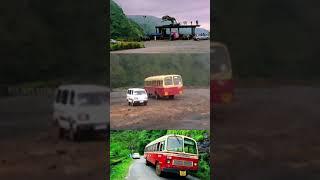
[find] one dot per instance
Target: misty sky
(182, 10)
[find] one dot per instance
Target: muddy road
(191, 110)
(140, 171)
(269, 133)
(30, 146)
(166, 46)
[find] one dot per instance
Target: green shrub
(125, 45)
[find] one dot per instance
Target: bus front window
(190, 146)
(177, 80)
(168, 81)
(220, 62)
(175, 144)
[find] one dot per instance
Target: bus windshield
(177, 80)
(190, 146)
(175, 143)
(168, 81)
(220, 61)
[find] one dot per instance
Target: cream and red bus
(172, 153)
(164, 86)
(222, 85)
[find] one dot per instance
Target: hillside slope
(121, 26)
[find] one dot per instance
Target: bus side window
(162, 146)
(158, 146)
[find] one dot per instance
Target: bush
(125, 45)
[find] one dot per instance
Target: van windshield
(92, 98)
(139, 92)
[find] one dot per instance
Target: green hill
(148, 24)
(121, 26)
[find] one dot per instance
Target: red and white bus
(164, 86)
(222, 85)
(172, 153)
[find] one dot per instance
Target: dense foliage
(270, 38)
(121, 26)
(124, 143)
(131, 69)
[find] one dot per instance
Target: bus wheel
(157, 96)
(171, 97)
(158, 169)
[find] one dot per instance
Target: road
(269, 133)
(166, 46)
(188, 111)
(139, 171)
(30, 146)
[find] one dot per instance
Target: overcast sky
(182, 10)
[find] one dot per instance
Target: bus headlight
(168, 161)
(195, 164)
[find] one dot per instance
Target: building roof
(177, 26)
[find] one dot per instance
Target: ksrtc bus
(173, 153)
(222, 85)
(164, 86)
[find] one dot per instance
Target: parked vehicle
(174, 36)
(157, 35)
(164, 86)
(173, 153)
(112, 41)
(135, 156)
(222, 84)
(198, 37)
(186, 37)
(80, 108)
(137, 96)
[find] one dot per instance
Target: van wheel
(129, 103)
(74, 134)
(145, 103)
(158, 169)
(61, 133)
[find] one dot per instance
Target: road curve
(140, 171)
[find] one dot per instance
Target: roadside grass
(121, 45)
(204, 168)
(120, 171)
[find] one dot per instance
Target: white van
(81, 108)
(137, 96)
